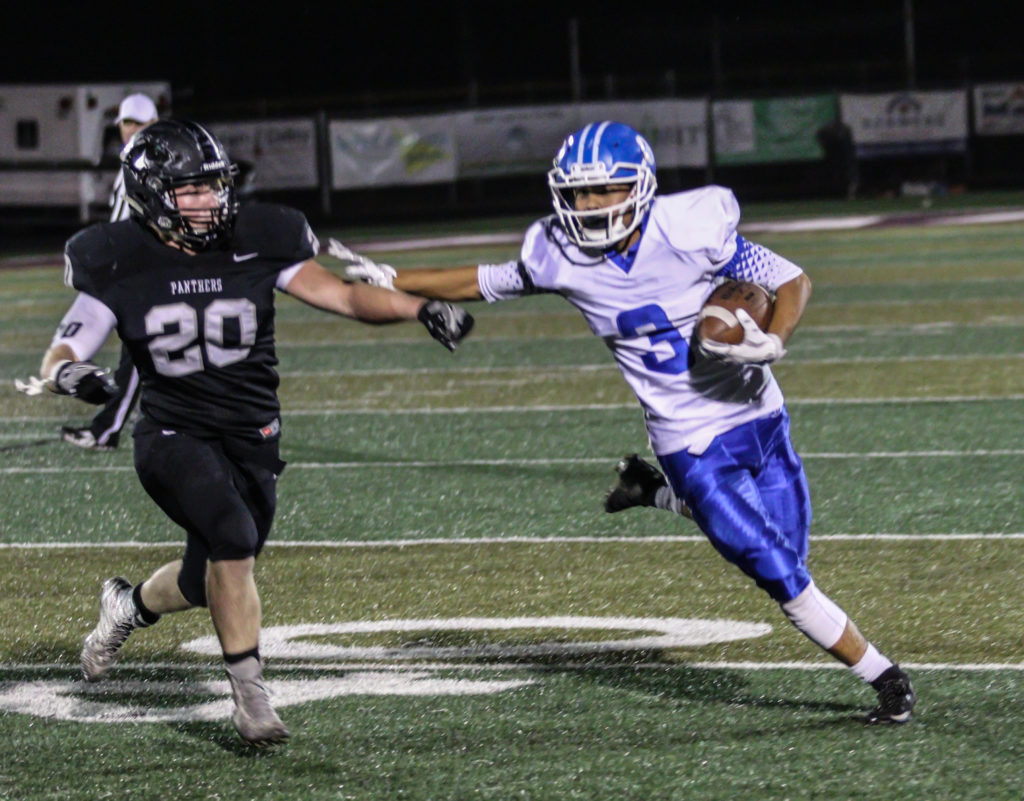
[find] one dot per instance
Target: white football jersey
(646, 308)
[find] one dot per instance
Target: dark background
(233, 61)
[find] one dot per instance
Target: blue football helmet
(601, 154)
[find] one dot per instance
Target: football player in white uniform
(639, 267)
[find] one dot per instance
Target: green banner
(759, 131)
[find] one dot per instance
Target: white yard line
(279, 666)
(429, 464)
(576, 407)
(478, 541)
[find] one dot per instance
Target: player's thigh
(256, 467)
(727, 504)
(786, 495)
(193, 481)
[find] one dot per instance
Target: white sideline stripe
(476, 541)
(279, 665)
(598, 367)
(433, 464)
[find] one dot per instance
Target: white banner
(512, 141)
(733, 122)
(906, 122)
(386, 152)
(523, 140)
(999, 109)
(676, 129)
(282, 152)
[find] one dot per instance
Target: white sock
(666, 499)
(871, 665)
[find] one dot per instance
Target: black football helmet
(173, 153)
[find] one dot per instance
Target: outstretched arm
(319, 287)
(450, 283)
(316, 285)
(447, 283)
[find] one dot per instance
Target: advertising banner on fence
(759, 131)
(676, 129)
(999, 109)
(282, 152)
(518, 141)
(393, 151)
(905, 123)
(512, 141)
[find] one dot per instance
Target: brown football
(717, 319)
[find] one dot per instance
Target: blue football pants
(749, 495)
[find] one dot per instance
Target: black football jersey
(200, 328)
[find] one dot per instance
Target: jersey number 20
(177, 354)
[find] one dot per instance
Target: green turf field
(449, 614)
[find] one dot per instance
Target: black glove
(446, 323)
(85, 381)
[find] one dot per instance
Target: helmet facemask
(197, 229)
(588, 160)
(175, 156)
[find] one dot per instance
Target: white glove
(360, 268)
(34, 386)
(757, 347)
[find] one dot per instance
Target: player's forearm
(319, 287)
(61, 352)
(374, 305)
(453, 283)
(790, 301)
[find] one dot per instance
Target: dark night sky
(231, 59)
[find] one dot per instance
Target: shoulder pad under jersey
(91, 255)
(275, 232)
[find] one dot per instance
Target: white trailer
(59, 143)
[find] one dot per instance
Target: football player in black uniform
(188, 283)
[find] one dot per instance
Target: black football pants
(223, 492)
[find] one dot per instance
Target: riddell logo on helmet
(214, 165)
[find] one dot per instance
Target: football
(717, 319)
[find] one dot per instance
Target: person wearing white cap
(137, 111)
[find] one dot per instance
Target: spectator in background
(836, 140)
(136, 112)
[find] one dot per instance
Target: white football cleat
(255, 719)
(117, 621)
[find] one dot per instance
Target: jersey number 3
(180, 352)
(652, 322)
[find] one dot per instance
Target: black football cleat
(896, 697)
(638, 483)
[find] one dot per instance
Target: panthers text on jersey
(200, 328)
(644, 304)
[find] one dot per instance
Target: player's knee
(192, 584)
(239, 543)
